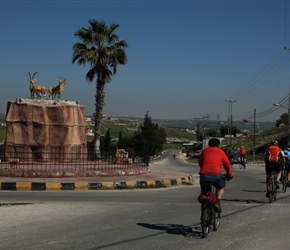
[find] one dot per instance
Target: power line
(275, 64)
(284, 101)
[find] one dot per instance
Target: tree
(123, 142)
(107, 142)
(224, 130)
(101, 48)
(120, 141)
(212, 133)
(149, 139)
(283, 120)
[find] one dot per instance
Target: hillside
(128, 127)
(265, 131)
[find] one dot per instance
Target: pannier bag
(207, 198)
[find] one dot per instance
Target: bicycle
(273, 186)
(284, 179)
(243, 162)
(210, 217)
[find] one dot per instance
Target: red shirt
(242, 151)
(211, 161)
(274, 154)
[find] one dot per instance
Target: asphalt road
(166, 218)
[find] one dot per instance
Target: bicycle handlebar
(227, 177)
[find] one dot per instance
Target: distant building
(89, 132)
(190, 131)
(112, 118)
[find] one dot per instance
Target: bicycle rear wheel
(284, 181)
(275, 194)
(272, 188)
(205, 222)
(216, 219)
(244, 163)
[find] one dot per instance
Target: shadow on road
(186, 231)
(245, 201)
(254, 191)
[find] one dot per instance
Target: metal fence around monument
(60, 160)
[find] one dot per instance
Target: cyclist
(242, 153)
(210, 162)
(287, 163)
(274, 158)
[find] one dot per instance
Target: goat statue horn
(36, 73)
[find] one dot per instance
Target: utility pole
(288, 130)
(230, 119)
(203, 128)
(197, 128)
(254, 143)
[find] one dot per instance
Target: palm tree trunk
(99, 104)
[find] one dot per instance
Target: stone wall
(40, 130)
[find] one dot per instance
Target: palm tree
(101, 49)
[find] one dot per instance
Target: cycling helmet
(274, 142)
(214, 142)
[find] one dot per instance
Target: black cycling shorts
(217, 180)
(272, 166)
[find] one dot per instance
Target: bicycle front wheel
(272, 188)
(284, 182)
(205, 222)
(216, 220)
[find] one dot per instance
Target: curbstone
(95, 185)
(8, 186)
(179, 181)
(52, 186)
(167, 183)
(23, 186)
(151, 184)
(37, 186)
(131, 184)
(84, 186)
(141, 184)
(67, 186)
(120, 185)
(81, 186)
(107, 185)
(159, 184)
(174, 182)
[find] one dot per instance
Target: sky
(189, 59)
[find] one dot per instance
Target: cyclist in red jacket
(242, 152)
(211, 161)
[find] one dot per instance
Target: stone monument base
(44, 130)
